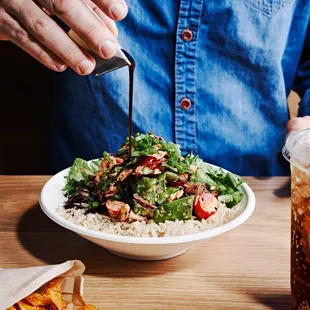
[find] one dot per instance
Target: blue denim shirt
(243, 59)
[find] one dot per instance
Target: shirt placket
(185, 74)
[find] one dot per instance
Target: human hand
(27, 24)
(298, 123)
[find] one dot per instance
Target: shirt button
(187, 35)
(185, 104)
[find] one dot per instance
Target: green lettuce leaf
(201, 177)
(81, 170)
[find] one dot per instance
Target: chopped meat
(176, 195)
(114, 208)
(124, 174)
(136, 217)
(183, 177)
(177, 184)
(99, 174)
(118, 210)
(111, 191)
(119, 161)
(113, 174)
(159, 155)
(138, 170)
(108, 165)
(124, 214)
(195, 188)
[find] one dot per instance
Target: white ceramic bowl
(138, 248)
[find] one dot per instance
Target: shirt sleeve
(302, 80)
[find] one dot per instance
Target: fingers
(33, 30)
(48, 33)
(298, 123)
(42, 8)
(115, 9)
(81, 20)
(106, 20)
(19, 36)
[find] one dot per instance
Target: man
(211, 75)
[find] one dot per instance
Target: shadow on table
(274, 301)
(282, 192)
(53, 244)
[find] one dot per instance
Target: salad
(156, 183)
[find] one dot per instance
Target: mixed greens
(156, 182)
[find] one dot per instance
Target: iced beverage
(297, 151)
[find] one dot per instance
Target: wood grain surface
(246, 268)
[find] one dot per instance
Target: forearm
(304, 105)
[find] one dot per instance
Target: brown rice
(99, 222)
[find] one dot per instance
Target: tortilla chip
(52, 292)
(49, 294)
(54, 285)
(55, 297)
(37, 299)
(49, 297)
(24, 305)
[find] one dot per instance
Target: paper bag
(16, 284)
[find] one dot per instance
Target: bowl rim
(50, 212)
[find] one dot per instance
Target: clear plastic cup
(297, 152)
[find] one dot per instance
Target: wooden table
(246, 268)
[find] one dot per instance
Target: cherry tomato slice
(150, 162)
(205, 205)
(146, 161)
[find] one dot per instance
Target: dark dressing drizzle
(131, 69)
(131, 75)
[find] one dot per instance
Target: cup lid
(297, 149)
